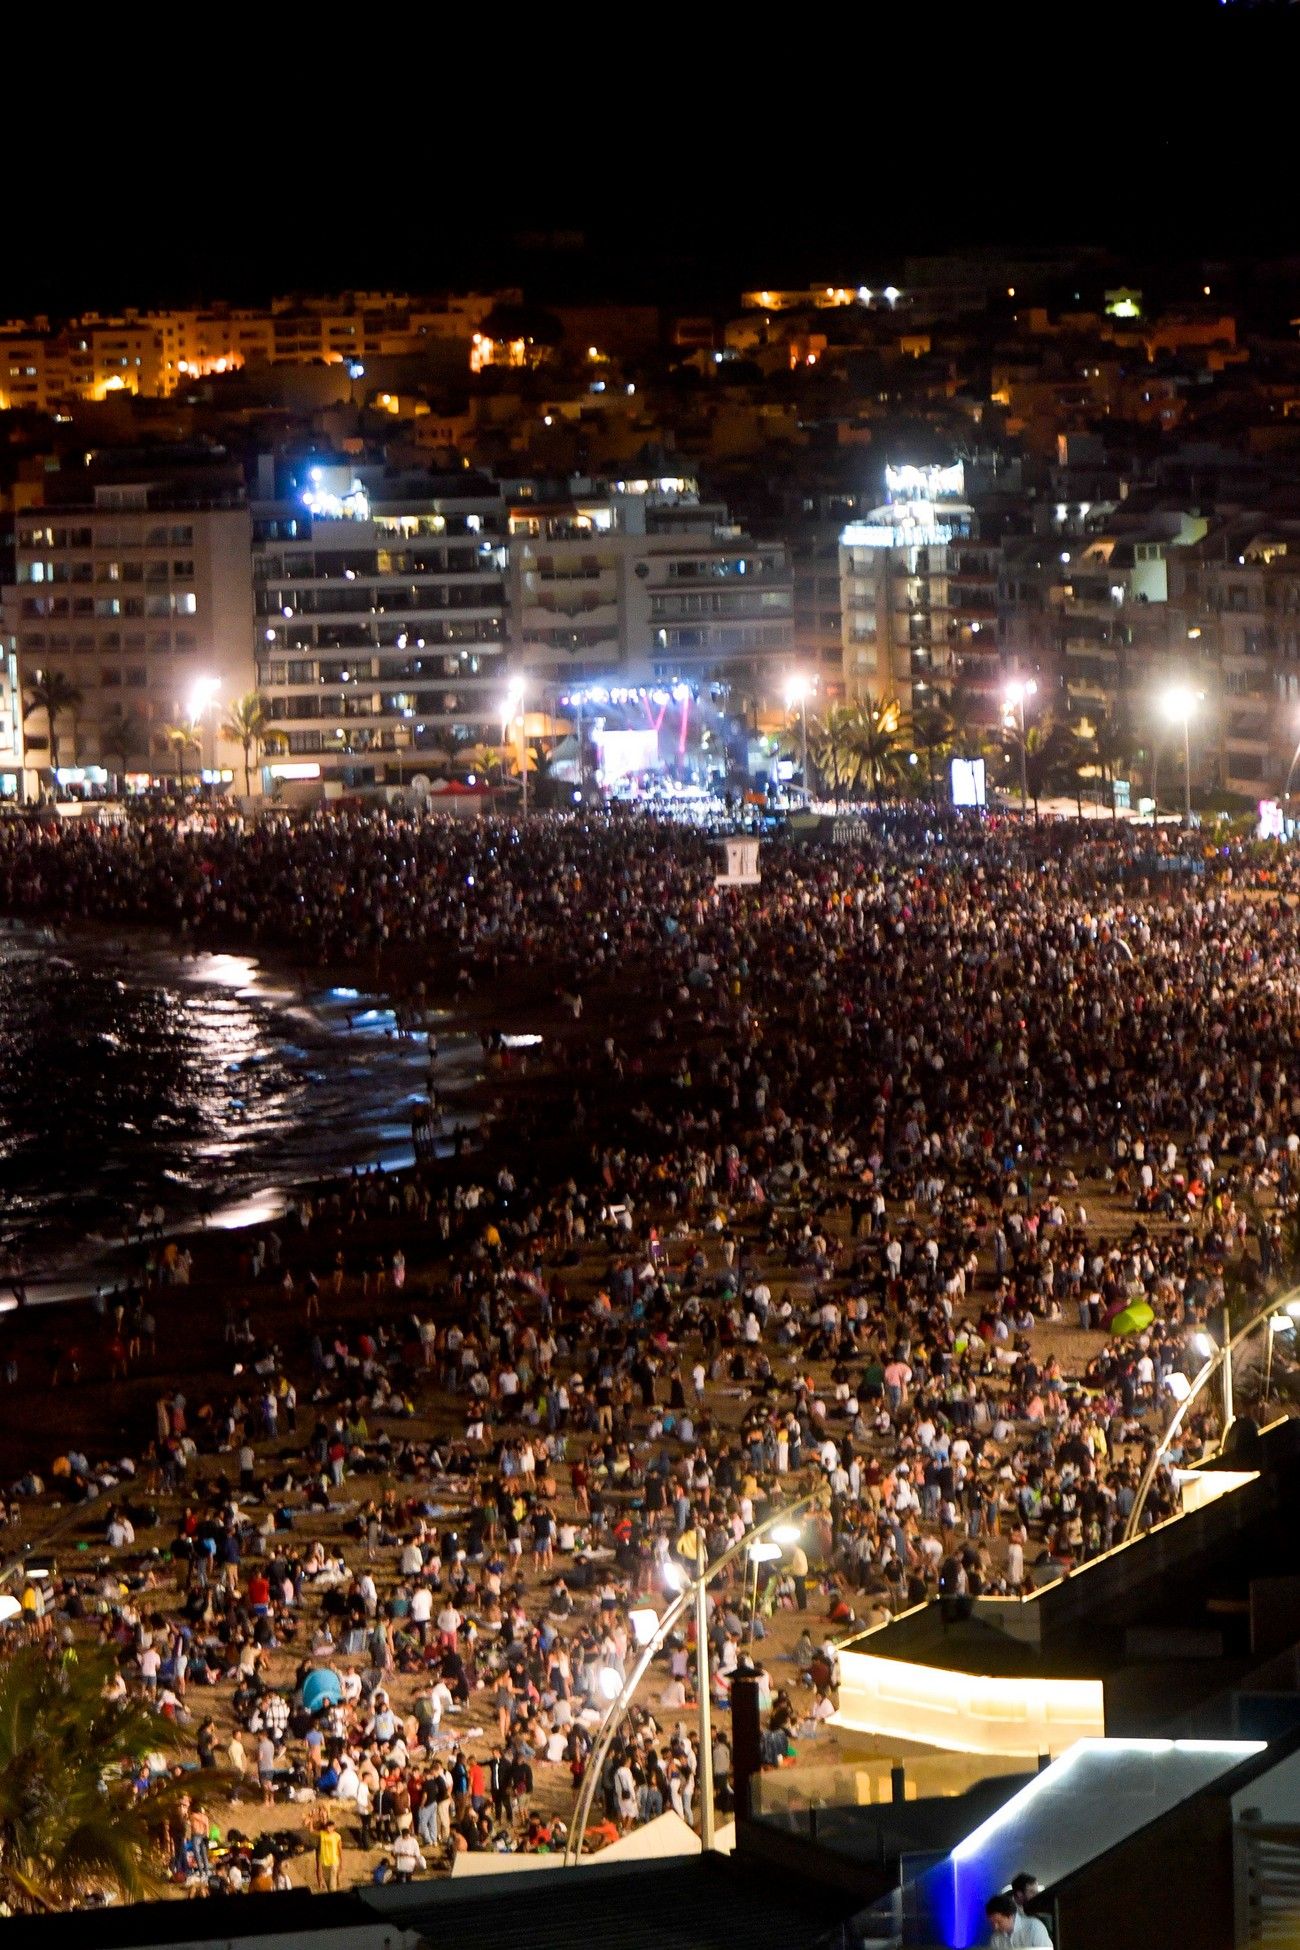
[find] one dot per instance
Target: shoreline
(276, 987)
(61, 1323)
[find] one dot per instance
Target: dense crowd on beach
(832, 1193)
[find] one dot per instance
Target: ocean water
(131, 1077)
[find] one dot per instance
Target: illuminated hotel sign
(914, 527)
(926, 483)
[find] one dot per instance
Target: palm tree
(510, 758)
(832, 747)
(484, 761)
(879, 734)
(1047, 757)
(124, 734)
(71, 1821)
(1113, 747)
(246, 726)
(50, 691)
(933, 732)
(181, 738)
(1073, 761)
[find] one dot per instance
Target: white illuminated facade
(380, 621)
(918, 591)
(140, 596)
(11, 710)
(640, 582)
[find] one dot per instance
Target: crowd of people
(826, 1191)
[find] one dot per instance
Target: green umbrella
(1132, 1319)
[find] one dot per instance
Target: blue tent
(321, 1688)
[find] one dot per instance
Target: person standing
(799, 1575)
(329, 1856)
(407, 1858)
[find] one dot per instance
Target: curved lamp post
(1220, 1363)
(694, 1593)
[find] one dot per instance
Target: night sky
(780, 145)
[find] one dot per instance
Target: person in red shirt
(259, 1594)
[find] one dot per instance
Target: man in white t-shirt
(1010, 1926)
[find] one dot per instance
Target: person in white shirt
(406, 1856)
(625, 1799)
(1011, 1928)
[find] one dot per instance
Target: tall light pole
(1290, 773)
(1016, 694)
(691, 1594)
(515, 710)
(796, 692)
(706, 1703)
(1178, 704)
(1222, 1354)
(202, 693)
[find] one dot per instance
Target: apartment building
(918, 592)
(811, 518)
(1084, 609)
(640, 581)
(1235, 601)
(139, 595)
(41, 370)
(46, 366)
(379, 603)
(11, 712)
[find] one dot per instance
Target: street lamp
(1277, 1324)
(1208, 1348)
(796, 692)
(691, 1593)
(1178, 704)
(202, 692)
(1290, 774)
(1016, 694)
(515, 710)
(766, 1552)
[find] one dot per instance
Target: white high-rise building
(641, 582)
(380, 619)
(139, 595)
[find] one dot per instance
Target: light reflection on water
(129, 1077)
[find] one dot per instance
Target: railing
(1214, 1366)
(687, 1599)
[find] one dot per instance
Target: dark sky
(782, 143)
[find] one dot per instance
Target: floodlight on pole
(1016, 693)
(202, 693)
(796, 692)
(691, 1587)
(515, 711)
(1178, 703)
